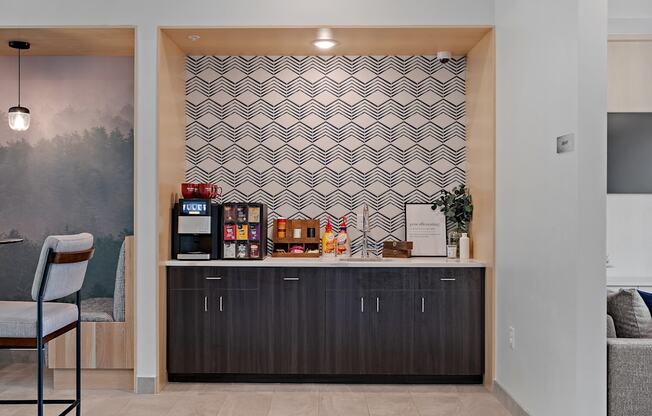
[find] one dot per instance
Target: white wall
(147, 16)
(629, 239)
(630, 16)
(551, 80)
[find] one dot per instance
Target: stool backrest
(62, 264)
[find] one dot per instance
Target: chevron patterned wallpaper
(312, 136)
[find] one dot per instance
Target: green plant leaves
(456, 205)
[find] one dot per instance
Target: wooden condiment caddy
(397, 249)
(285, 243)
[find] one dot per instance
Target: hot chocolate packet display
(254, 250)
(229, 213)
(241, 251)
(229, 250)
(254, 232)
(241, 213)
(241, 233)
(229, 232)
(254, 214)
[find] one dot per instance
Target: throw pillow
(631, 316)
(647, 298)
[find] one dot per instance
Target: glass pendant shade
(19, 118)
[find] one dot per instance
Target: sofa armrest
(629, 376)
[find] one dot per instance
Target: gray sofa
(629, 374)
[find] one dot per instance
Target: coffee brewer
(195, 230)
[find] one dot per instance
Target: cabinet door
(189, 332)
(238, 343)
(388, 333)
(449, 322)
(344, 325)
(295, 332)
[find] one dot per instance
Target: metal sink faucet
(365, 231)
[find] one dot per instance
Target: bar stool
(26, 325)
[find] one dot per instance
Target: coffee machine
(195, 230)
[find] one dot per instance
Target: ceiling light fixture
(19, 116)
(194, 38)
(324, 39)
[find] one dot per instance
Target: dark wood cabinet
(422, 324)
(449, 324)
(190, 348)
(344, 324)
(389, 333)
(293, 316)
(238, 340)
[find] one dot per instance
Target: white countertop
(426, 262)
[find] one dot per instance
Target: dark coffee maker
(195, 230)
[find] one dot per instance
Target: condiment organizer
(298, 233)
(244, 231)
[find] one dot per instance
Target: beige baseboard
(95, 379)
(508, 401)
(146, 385)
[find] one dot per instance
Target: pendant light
(19, 116)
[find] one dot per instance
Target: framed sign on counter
(426, 228)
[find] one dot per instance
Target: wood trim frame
(105, 345)
(481, 177)
(171, 171)
(71, 256)
(31, 342)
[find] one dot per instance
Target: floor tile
(258, 399)
(390, 404)
(198, 404)
(481, 405)
(246, 404)
(380, 388)
(343, 404)
(294, 404)
(433, 388)
(437, 404)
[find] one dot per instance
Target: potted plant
(457, 207)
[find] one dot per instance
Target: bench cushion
(119, 292)
(18, 319)
(97, 310)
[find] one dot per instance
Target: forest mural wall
(73, 170)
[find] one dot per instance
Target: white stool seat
(19, 319)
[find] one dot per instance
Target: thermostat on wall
(566, 143)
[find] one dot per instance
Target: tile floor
(189, 399)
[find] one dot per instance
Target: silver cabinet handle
(221, 309)
(213, 278)
(362, 304)
(377, 304)
(205, 303)
(294, 279)
(423, 305)
(447, 279)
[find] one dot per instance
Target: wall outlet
(512, 338)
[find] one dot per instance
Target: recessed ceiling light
(324, 39)
(324, 43)
(194, 38)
